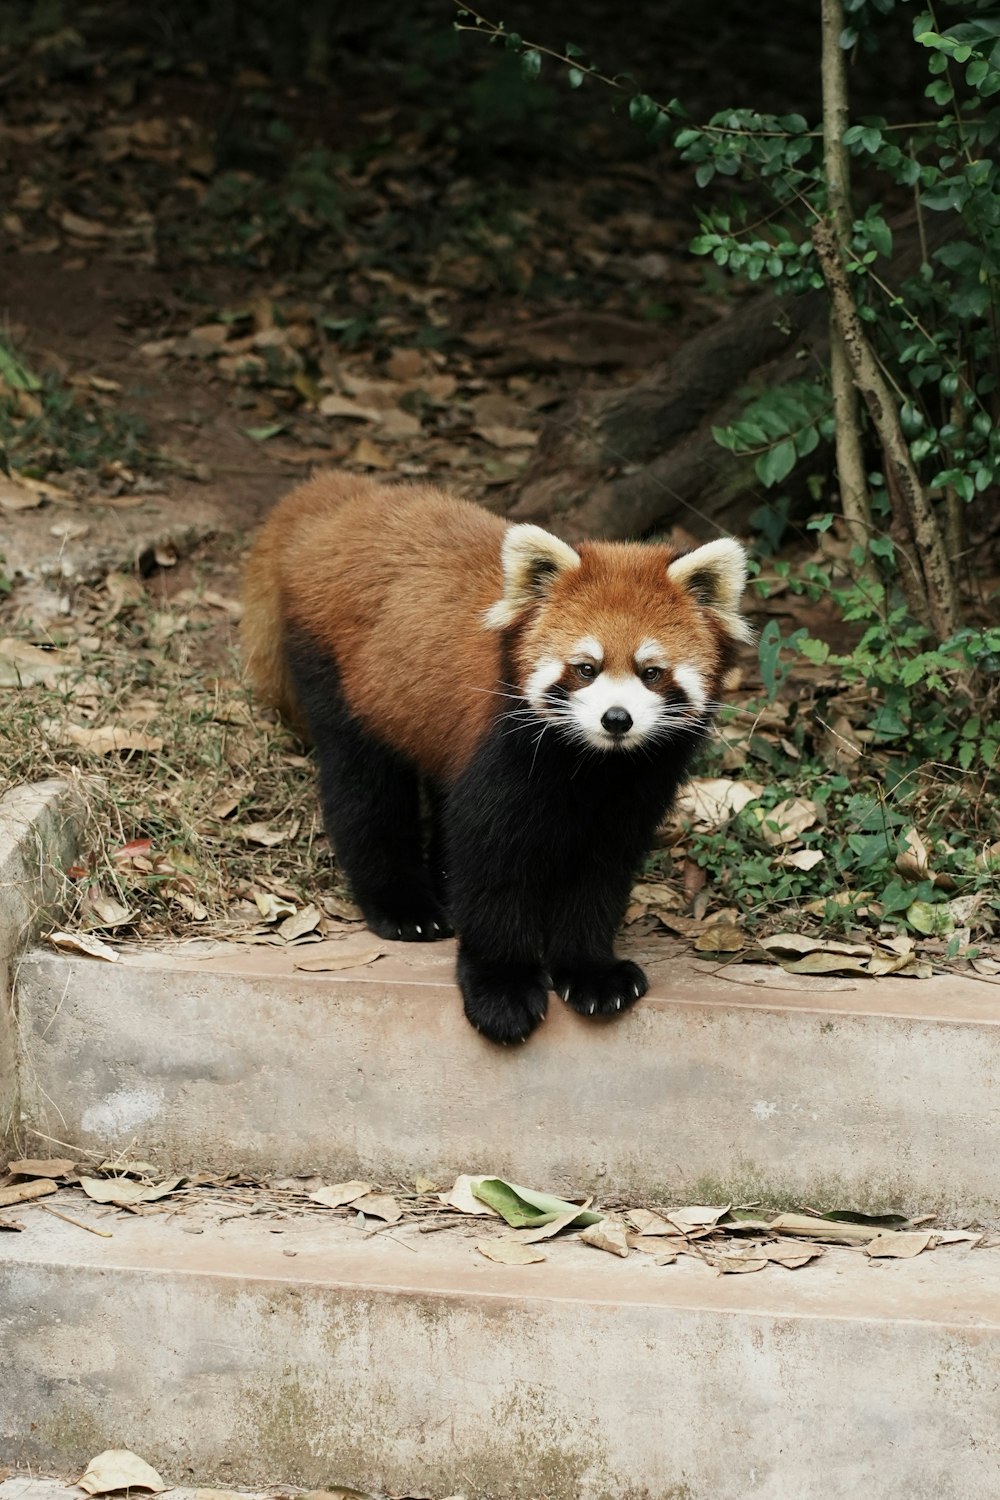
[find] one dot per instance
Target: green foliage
(923, 753)
(47, 426)
(935, 331)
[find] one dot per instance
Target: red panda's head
(619, 644)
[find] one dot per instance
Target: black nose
(617, 721)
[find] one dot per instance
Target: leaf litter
(725, 1238)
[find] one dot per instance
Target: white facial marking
(650, 653)
(693, 684)
(544, 677)
(589, 705)
(588, 648)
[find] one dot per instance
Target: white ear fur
(529, 556)
(717, 575)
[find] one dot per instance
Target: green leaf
(261, 434)
(531, 65)
(769, 656)
(524, 1207)
(16, 375)
(776, 464)
(929, 919)
(879, 234)
(642, 110)
(575, 78)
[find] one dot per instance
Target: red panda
(547, 697)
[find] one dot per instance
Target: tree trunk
(621, 463)
(627, 462)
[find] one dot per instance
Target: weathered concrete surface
(39, 827)
(748, 1084)
(31, 1487)
(411, 1364)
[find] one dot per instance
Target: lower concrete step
(740, 1084)
(258, 1351)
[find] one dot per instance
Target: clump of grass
(219, 803)
(53, 426)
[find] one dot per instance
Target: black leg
(582, 963)
(498, 909)
(370, 800)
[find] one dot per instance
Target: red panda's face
(621, 645)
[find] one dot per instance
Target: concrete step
(741, 1083)
(260, 1351)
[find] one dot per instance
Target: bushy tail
(262, 630)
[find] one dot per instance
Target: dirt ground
(218, 271)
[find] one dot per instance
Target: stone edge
(40, 830)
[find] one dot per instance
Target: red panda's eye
(652, 674)
(586, 669)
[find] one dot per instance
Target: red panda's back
(393, 582)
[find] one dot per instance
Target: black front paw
(599, 989)
(406, 911)
(503, 1001)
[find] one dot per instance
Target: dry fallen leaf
(607, 1235)
(343, 406)
(736, 1262)
(352, 954)
(301, 922)
(825, 963)
(379, 1206)
(788, 821)
(697, 1216)
(648, 1223)
(105, 911)
(25, 665)
(562, 1221)
(340, 1193)
(720, 937)
(510, 1252)
(272, 907)
(52, 1166)
(837, 1231)
(119, 1469)
(711, 802)
(914, 859)
(126, 1192)
(792, 1256)
(802, 859)
(82, 942)
(507, 437)
(260, 833)
(366, 455)
(14, 496)
(110, 738)
(26, 1192)
(899, 1244)
(461, 1197)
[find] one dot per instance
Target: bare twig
(904, 482)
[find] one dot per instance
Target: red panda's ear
(531, 558)
(716, 576)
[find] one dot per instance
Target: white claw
(419, 929)
(638, 990)
(593, 1006)
(565, 994)
(618, 1003)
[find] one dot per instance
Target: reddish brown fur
(621, 595)
(394, 583)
